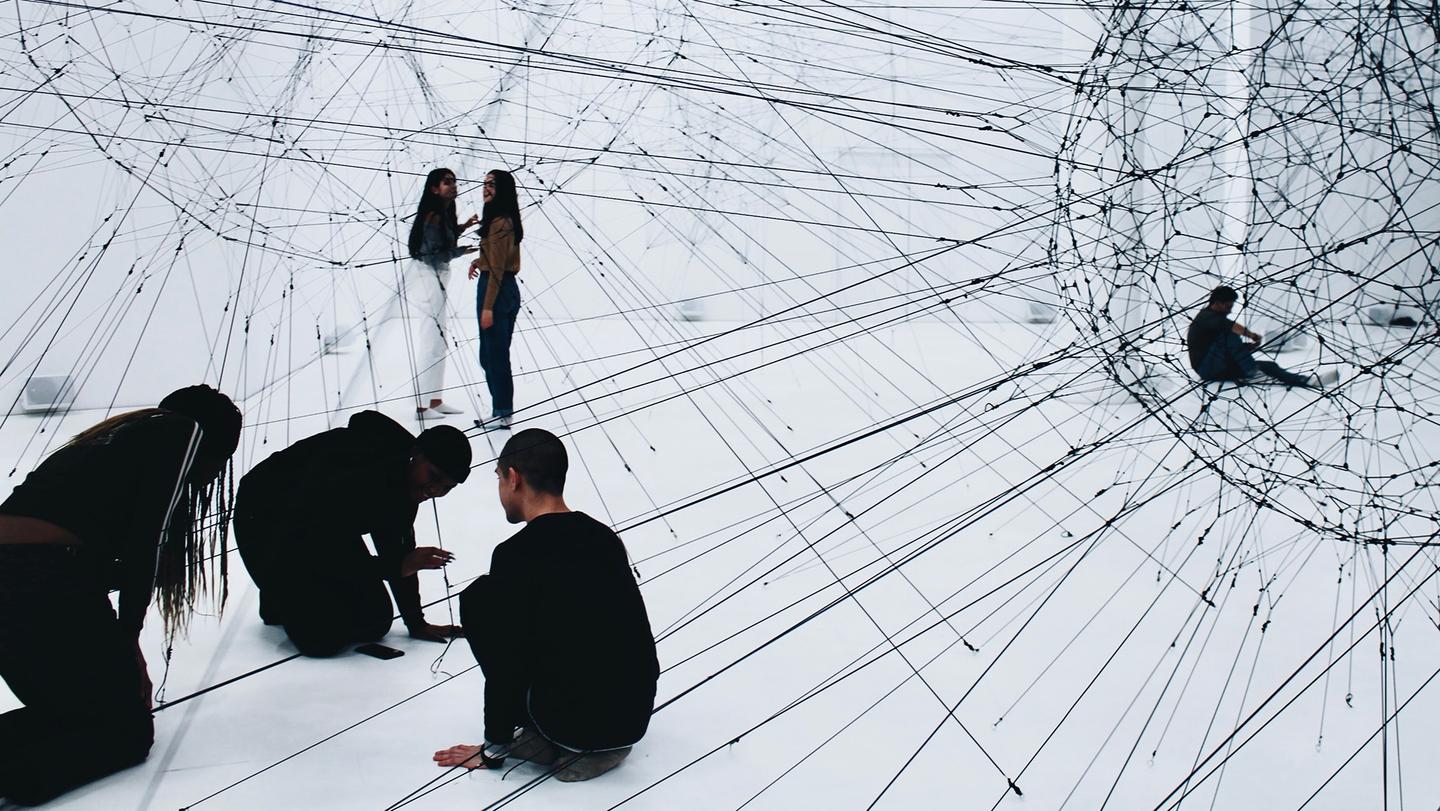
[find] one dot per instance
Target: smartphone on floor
(378, 651)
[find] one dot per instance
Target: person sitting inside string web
(559, 628)
(1217, 352)
(136, 502)
(299, 520)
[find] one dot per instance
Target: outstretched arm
(401, 560)
(393, 546)
(407, 593)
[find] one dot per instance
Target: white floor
(1124, 604)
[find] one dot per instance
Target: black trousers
(313, 586)
(65, 656)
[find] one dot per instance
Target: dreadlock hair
(193, 559)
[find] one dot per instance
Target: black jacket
(324, 490)
(560, 629)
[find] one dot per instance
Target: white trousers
(421, 305)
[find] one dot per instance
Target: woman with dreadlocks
(434, 234)
(498, 299)
(137, 502)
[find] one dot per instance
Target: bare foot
(460, 755)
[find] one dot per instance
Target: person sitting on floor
(1217, 352)
(559, 629)
(300, 515)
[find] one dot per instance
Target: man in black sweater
(1217, 353)
(300, 515)
(559, 628)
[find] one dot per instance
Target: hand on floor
(436, 633)
(461, 755)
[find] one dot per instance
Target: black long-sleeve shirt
(567, 642)
(1207, 328)
(118, 495)
(334, 486)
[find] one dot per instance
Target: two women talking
(433, 243)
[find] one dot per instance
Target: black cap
(447, 448)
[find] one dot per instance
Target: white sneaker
(446, 408)
(423, 414)
(1329, 377)
(494, 424)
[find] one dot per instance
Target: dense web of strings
(798, 180)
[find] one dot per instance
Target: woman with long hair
(434, 236)
(498, 299)
(137, 502)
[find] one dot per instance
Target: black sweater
(117, 494)
(331, 487)
(1207, 328)
(567, 640)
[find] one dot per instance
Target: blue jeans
(1229, 359)
(495, 345)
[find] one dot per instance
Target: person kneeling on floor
(559, 629)
(136, 502)
(300, 515)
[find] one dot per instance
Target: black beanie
(218, 418)
(448, 449)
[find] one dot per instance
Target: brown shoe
(590, 765)
(532, 746)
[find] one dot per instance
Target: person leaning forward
(559, 627)
(300, 515)
(134, 502)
